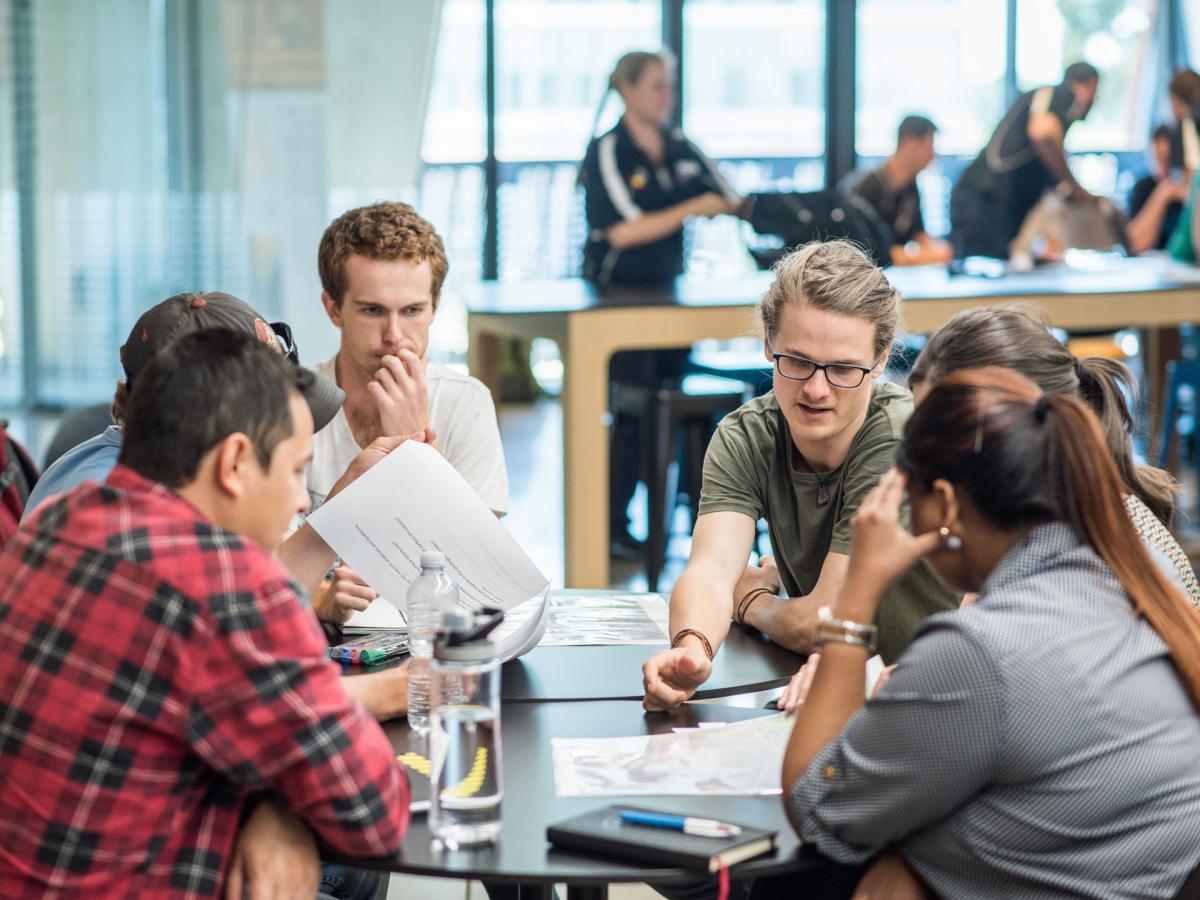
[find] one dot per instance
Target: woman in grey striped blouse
(1043, 741)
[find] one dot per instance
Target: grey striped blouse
(1036, 744)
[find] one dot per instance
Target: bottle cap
(464, 637)
(433, 559)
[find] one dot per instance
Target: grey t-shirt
(752, 468)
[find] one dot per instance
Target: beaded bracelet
(680, 635)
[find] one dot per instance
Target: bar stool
(1181, 373)
(690, 406)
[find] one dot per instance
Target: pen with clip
(686, 824)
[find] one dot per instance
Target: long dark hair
(1016, 338)
(1024, 458)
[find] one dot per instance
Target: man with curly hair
(382, 268)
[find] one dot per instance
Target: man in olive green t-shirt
(804, 456)
(753, 468)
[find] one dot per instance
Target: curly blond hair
(385, 231)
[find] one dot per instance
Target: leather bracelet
(748, 601)
(684, 632)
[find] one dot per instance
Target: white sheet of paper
(414, 500)
(875, 667)
(379, 616)
(597, 620)
(740, 758)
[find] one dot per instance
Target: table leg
(483, 357)
(585, 456)
(587, 892)
(1159, 345)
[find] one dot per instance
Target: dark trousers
(981, 224)
(340, 882)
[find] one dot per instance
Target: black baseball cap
(192, 311)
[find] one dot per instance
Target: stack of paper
(414, 500)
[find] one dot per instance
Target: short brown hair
(386, 231)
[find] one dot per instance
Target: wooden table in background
(590, 325)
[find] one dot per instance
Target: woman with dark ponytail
(644, 179)
(1041, 742)
(1016, 338)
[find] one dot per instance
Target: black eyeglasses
(283, 337)
(842, 375)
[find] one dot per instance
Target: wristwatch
(843, 631)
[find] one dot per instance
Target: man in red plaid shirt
(158, 671)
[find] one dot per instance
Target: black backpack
(789, 220)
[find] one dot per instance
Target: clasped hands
(401, 394)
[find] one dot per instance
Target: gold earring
(949, 541)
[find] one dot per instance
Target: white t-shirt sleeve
(464, 417)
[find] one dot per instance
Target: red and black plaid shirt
(155, 671)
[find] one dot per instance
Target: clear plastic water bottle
(464, 732)
(430, 594)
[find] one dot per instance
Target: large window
(1117, 37)
(453, 149)
(553, 58)
(941, 58)
(1190, 13)
(155, 146)
(754, 82)
(10, 245)
(100, 195)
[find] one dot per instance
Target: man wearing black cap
(184, 313)
(1023, 159)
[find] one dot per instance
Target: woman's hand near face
(882, 549)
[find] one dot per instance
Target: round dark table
(747, 662)
(530, 805)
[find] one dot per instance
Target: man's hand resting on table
(670, 677)
(765, 575)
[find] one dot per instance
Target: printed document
(739, 758)
(414, 500)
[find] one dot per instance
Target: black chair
(75, 428)
(689, 407)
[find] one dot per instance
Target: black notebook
(602, 832)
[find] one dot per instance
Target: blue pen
(686, 824)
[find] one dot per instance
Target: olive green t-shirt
(752, 468)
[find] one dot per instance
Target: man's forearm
(1051, 153)
(789, 622)
(383, 694)
(307, 557)
(696, 603)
